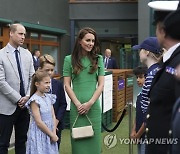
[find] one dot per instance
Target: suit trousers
(20, 120)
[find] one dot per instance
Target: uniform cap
(168, 12)
(150, 44)
(164, 5)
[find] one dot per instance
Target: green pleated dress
(84, 86)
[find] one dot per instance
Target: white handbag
(82, 132)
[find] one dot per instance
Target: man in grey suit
(16, 70)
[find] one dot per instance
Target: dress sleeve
(100, 66)
(67, 68)
(32, 99)
(52, 98)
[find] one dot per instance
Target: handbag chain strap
(77, 118)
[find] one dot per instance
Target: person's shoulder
(55, 81)
(25, 51)
(34, 98)
(112, 58)
(100, 56)
(67, 58)
(3, 50)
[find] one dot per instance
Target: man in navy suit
(109, 62)
(36, 53)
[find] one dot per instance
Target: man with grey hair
(109, 62)
(16, 70)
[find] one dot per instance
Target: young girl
(47, 64)
(42, 136)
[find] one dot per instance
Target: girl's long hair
(37, 77)
(77, 52)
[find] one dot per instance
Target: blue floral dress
(38, 142)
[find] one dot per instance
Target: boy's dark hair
(140, 70)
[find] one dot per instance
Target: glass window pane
(35, 36)
(49, 38)
(51, 50)
(34, 46)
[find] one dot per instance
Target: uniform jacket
(175, 127)
(164, 92)
(10, 81)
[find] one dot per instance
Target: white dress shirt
(12, 49)
(168, 54)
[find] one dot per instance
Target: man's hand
(22, 101)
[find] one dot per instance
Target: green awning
(44, 28)
(6, 21)
(38, 27)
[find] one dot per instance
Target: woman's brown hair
(77, 52)
(37, 77)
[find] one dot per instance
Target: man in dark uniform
(175, 121)
(164, 89)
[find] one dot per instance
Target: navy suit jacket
(163, 94)
(36, 63)
(112, 63)
(60, 104)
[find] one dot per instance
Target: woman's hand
(78, 105)
(84, 108)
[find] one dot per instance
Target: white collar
(168, 53)
(11, 48)
(35, 57)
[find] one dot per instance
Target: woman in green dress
(85, 70)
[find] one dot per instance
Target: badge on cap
(171, 70)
